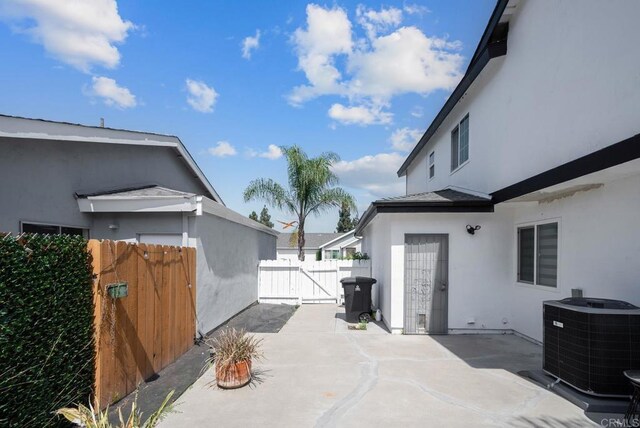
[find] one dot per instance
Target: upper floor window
(432, 166)
(460, 143)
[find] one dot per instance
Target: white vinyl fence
(294, 282)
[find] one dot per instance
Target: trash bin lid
(358, 280)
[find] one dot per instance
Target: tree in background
(253, 216)
(345, 223)
(265, 217)
(311, 189)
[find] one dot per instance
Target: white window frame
(534, 284)
(431, 162)
(86, 229)
(457, 127)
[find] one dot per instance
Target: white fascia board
(196, 169)
(120, 204)
(338, 238)
(352, 241)
(214, 208)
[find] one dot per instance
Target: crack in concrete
(368, 380)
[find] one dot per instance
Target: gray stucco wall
(227, 267)
(39, 178)
(131, 224)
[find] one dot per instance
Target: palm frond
(269, 191)
(331, 198)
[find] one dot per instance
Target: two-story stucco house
(526, 185)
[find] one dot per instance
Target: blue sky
(234, 80)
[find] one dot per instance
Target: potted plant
(232, 352)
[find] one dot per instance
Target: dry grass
(232, 346)
(90, 418)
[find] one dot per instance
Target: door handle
(443, 286)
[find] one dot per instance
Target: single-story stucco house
(526, 185)
(135, 186)
(330, 246)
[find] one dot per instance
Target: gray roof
(313, 241)
(440, 201)
(445, 196)
(150, 190)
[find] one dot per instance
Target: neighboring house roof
(338, 239)
(48, 130)
(493, 44)
(446, 200)
(149, 190)
(152, 198)
(313, 241)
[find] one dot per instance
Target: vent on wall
(589, 343)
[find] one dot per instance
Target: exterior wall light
(472, 229)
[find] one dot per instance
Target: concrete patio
(319, 373)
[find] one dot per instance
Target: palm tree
(311, 189)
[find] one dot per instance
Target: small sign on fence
(118, 290)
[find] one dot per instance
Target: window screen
(45, 229)
(454, 148)
(547, 268)
(51, 229)
(526, 253)
(464, 141)
(432, 167)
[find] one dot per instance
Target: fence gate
(294, 282)
(140, 333)
(426, 277)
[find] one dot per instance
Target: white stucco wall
(599, 250)
(567, 86)
(380, 252)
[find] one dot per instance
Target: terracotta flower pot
(234, 376)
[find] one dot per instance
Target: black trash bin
(357, 296)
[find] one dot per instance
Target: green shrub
(46, 328)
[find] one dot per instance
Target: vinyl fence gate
(294, 282)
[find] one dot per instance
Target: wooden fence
(140, 334)
(294, 282)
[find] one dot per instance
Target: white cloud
(405, 61)
(370, 72)
(274, 152)
(328, 34)
(417, 111)
(360, 115)
(201, 97)
(222, 149)
(376, 174)
(111, 93)
(79, 33)
(375, 21)
(404, 139)
(250, 44)
(415, 9)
